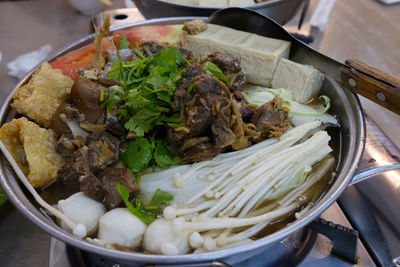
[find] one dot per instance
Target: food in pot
(174, 147)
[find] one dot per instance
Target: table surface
(362, 29)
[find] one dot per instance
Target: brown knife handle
(372, 83)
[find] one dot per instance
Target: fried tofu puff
(32, 147)
(40, 97)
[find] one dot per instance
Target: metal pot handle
(366, 174)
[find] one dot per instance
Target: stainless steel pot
(265, 251)
(279, 10)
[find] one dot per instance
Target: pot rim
(18, 198)
(252, 6)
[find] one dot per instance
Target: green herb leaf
(115, 72)
(111, 101)
(123, 42)
(143, 121)
(147, 218)
(162, 157)
(217, 72)
(161, 199)
(138, 154)
(101, 95)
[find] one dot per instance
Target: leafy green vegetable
(101, 95)
(161, 198)
(123, 42)
(217, 72)
(141, 152)
(162, 157)
(300, 113)
(138, 154)
(146, 214)
(147, 218)
(3, 197)
(150, 84)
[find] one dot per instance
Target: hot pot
(279, 10)
(268, 250)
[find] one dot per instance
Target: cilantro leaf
(217, 72)
(123, 42)
(147, 218)
(143, 121)
(111, 99)
(138, 154)
(115, 72)
(169, 58)
(162, 157)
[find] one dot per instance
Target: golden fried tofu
(32, 147)
(40, 97)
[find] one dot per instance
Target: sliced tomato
(140, 34)
(72, 62)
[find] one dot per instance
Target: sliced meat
(90, 185)
(65, 146)
(271, 119)
(239, 80)
(199, 116)
(66, 174)
(182, 94)
(190, 142)
(69, 111)
(187, 54)
(85, 95)
(226, 62)
(223, 135)
(200, 152)
(116, 127)
(110, 177)
(205, 84)
(103, 150)
(241, 141)
(230, 66)
(103, 78)
(151, 48)
(194, 27)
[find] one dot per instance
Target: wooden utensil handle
(372, 83)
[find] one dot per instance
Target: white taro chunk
(81, 209)
(160, 238)
(119, 226)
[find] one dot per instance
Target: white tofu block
(240, 2)
(259, 55)
(213, 3)
(303, 80)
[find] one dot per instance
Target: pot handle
(366, 174)
(376, 85)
